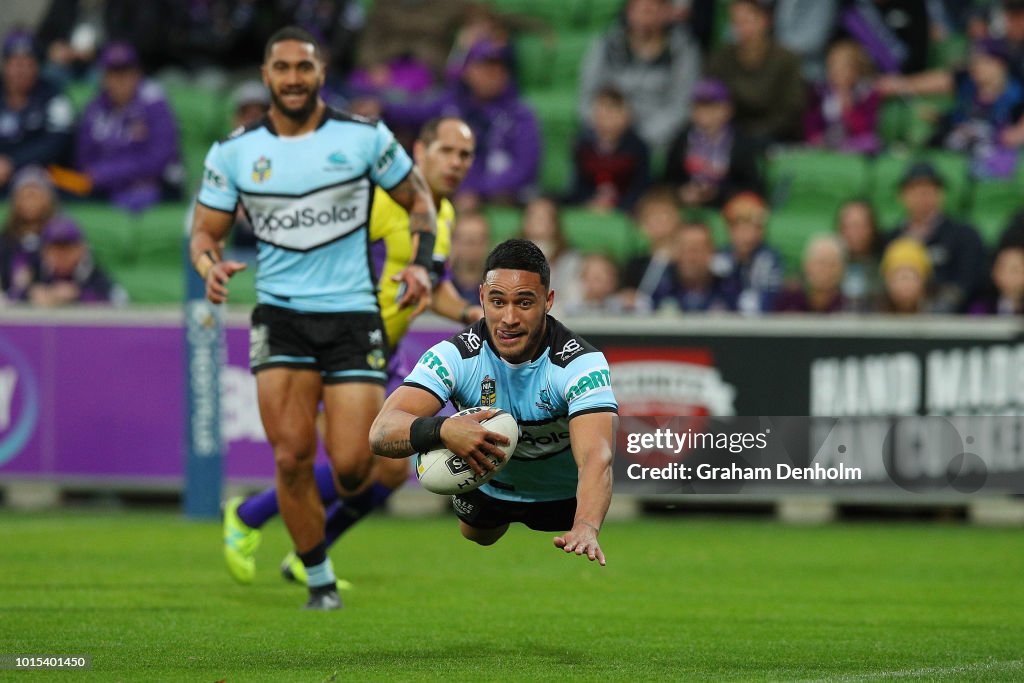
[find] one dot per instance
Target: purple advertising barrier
(100, 398)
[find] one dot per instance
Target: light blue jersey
(569, 377)
(308, 199)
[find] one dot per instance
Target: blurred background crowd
(667, 155)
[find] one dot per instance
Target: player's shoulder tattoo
(564, 345)
(471, 340)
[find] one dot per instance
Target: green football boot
(240, 543)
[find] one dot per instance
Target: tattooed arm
(394, 432)
(389, 434)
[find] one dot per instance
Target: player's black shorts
(481, 511)
(343, 347)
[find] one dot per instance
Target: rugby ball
(441, 471)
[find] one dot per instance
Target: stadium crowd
(697, 123)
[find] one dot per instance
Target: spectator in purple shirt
(67, 273)
(843, 113)
(33, 202)
(506, 130)
(35, 117)
(127, 144)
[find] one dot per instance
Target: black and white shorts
(343, 347)
(481, 511)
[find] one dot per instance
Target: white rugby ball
(441, 471)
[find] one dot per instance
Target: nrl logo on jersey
(488, 391)
(261, 169)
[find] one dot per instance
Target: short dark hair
(518, 254)
(428, 133)
(291, 33)
(612, 95)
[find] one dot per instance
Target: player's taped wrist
(205, 263)
(425, 251)
(425, 433)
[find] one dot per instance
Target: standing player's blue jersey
(308, 199)
(568, 377)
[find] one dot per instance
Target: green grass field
(146, 596)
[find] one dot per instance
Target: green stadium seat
(948, 53)
(558, 14)
(790, 228)
(600, 14)
(112, 233)
(813, 178)
(505, 222)
(161, 233)
(894, 121)
(149, 283)
(611, 234)
(81, 93)
(202, 119)
(993, 202)
(556, 111)
(887, 170)
(925, 113)
(534, 54)
(569, 50)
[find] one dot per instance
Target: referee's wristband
(425, 251)
(425, 433)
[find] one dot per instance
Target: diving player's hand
(467, 438)
(582, 540)
(217, 280)
(417, 288)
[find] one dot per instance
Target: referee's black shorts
(343, 347)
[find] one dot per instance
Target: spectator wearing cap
(33, 202)
(653, 62)
(249, 102)
(611, 164)
(906, 279)
(750, 269)
(985, 121)
(36, 119)
(762, 76)
(127, 144)
(843, 112)
(506, 129)
(955, 250)
(710, 160)
(249, 105)
(68, 274)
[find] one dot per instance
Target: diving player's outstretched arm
(413, 194)
(209, 228)
(591, 438)
(407, 424)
